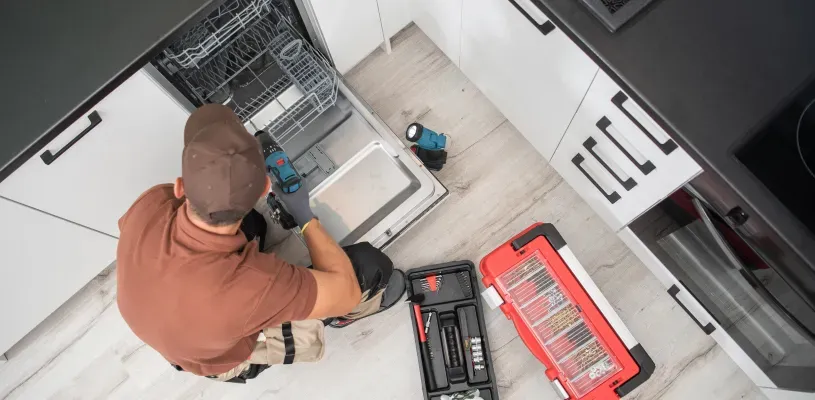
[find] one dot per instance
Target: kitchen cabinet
(617, 158)
(45, 261)
(352, 29)
(536, 80)
(440, 20)
(395, 15)
(132, 140)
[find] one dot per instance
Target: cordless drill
(430, 146)
(278, 164)
(279, 168)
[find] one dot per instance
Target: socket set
(455, 337)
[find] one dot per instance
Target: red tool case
(562, 317)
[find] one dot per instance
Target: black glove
(296, 204)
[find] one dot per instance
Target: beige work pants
(309, 340)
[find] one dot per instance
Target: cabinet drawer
(537, 81)
(440, 20)
(45, 261)
(618, 159)
(349, 46)
(93, 171)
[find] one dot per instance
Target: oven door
(737, 284)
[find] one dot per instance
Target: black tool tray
(451, 298)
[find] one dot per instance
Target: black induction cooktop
(782, 155)
(615, 13)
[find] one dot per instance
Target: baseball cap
(222, 165)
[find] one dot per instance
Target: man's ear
(178, 188)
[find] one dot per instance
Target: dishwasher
(262, 58)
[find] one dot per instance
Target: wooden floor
(498, 186)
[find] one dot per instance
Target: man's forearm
(326, 254)
(338, 291)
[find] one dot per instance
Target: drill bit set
(453, 350)
(562, 317)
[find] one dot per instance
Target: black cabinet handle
(645, 167)
(666, 147)
(589, 144)
(545, 28)
(577, 160)
(707, 329)
(48, 158)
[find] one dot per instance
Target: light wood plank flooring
(499, 185)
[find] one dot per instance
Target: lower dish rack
(252, 73)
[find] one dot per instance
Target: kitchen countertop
(712, 72)
(61, 57)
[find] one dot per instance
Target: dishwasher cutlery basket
(562, 317)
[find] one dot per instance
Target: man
(194, 285)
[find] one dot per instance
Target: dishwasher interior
(253, 56)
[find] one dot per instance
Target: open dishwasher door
(364, 183)
(379, 187)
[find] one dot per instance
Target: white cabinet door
(351, 29)
(440, 20)
(536, 80)
(45, 261)
(136, 144)
(618, 159)
(395, 15)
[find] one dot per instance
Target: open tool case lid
(562, 317)
(452, 297)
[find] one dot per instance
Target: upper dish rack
(216, 30)
(255, 66)
(309, 71)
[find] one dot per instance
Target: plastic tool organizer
(451, 337)
(530, 280)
